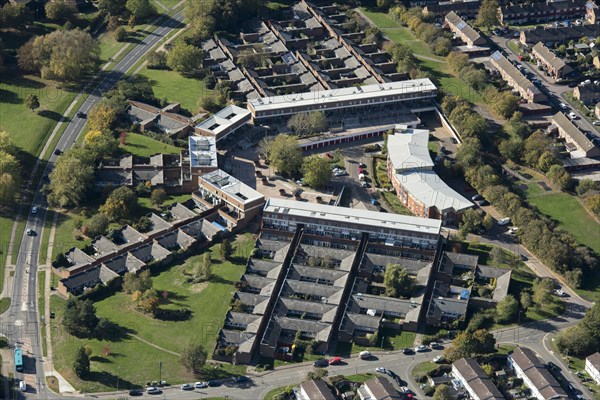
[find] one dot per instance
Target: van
(364, 354)
(504, 221)
(361, 177)
(22, 386)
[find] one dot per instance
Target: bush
(120, 34)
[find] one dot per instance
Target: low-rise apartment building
(552, 36)
(592, 366)
(575, 140)
(529, 367)
(418, 187)
(553, 65)
(536, 13)
(515, 79)
(463, 30)
(466, 9)
(165, 120)
(225, 122)
(474, 379)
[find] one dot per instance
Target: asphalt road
(21, 322)
(548, 86)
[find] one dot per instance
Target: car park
(335, 361)
(153, 390)
(200, 385)
(187, 386)
(321, 363)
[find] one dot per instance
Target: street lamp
(118, 370)
(159, 372)
(518, 324)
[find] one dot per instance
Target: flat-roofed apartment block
(553, 36)
(553, 65)
(240, 203)
(515, 79)
(225, 122)
(537, 13)
(575, 141)
(466, 9)
(418, 187)
(466, 33)
(592, 366)
(314, 390)
(378, 388)
(202, 156)
(477, 383)
(417, 94)
(529, 367)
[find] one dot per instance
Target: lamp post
(118, 370)
(159, 372)
(518, 324)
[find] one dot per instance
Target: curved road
(21, 322)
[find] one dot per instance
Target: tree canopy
(470, 344)
(140, 9)
(308, 123)
(284, 154)
(10, 176)
(193, 357)
(185, 58)
(317, 171)
(397, 281)
(119, 204)
(70, 180)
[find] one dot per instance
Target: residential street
(21, 321)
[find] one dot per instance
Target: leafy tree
(32, 102)
(140, 9)
(487, 16)
(488, 369)
(547, 160)
(516, 126)
(102, 116)
(577, 341)
(497, 255)
(158, 60)
(507, 309)
(10, 176)
(526, 300)
(317, 374)
(470, 221)
(119, 204)
(397, 281)
(60, 10)
(559, 177)
(120, 34)
(317, 171)
(308, 123)
(15, 15)
(185, 58)
(79, 318)
(587, 185)
(111, 7)
(591, 321)
(70, 180)
(61, 55)
(225, 249)
(511, 149)
(143, 224)
(137, 283)
(96, 226)
(441, 46)
(285, 155)
(457, 62)
(204, 268)
(470, 344)
(593, 203)
(442, 392)
(148, 302)
(193, 357)
(542, 291)
(158, 197)
(488, 222)
(81, 363)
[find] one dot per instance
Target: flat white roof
(232, 186)
(224, 119)
(407, 148)
(426, 186)
(344, 94)
(373, 219)
(203, 151)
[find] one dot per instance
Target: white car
(504, 221)
(512, 230)
(153, 390)
(596, 123)
(364, 354)
(421, 348)
(200, 385)
(438, 359)
(34, 210)
(563, 106)
(381, 370)
(572, 115)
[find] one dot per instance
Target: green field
(144, 146)
(568, 212)
(176, 88)
(64, 237)
(128, 354)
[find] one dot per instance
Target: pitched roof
(503, 64)
(477, 379)
(561, 120)
(317, 390)
(562, 34)
(548, 56)
(453, 19)
(594, 359)
(381, 389)
(538, 374)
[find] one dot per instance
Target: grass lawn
(174, 87)
(46, 237)
(6, 224)
(391, 341)
(128, 354)
(275, 392)
(570, 215)
(4, 304)
(64, 236)
(423, 369)
(360, 378)
(395, 203)
(144, 146)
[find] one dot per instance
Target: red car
(360, 170)
(335, 361)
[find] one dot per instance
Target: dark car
(321, 363)
(572, 84)
(214, 383)
(136, 392)
(408, 351)
(81, 115)
(241, 379)
(453, 140)
(57, 152)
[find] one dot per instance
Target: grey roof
(175, 240)
(126, 236)
(200, 229)
(562, 34)
(317, 390)
(336, 277)
(326, 311)
(385, 305)
(563, 123)
(477, 379)
(381, 389)
(594, 359)
(548, 56)
(319, 330)
(89, 278)
(446, 300)
(250, 299)
(248, 322)
(331, 293)
(262, 267)
(538, 374)
(237, 337)
(150, 252)
(450, 260)
(103, 246)
(179, 211)
(453, 19)
(158, 224)
(124, 263)
(503, 64)
(77, 257)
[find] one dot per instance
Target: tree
(158, 60)
(397, 282)
(308, 123)
(547, 160)
(497, 255)
(317, 171)
(507, 309)
(60, 10)
(15, 15)
(149, 301)
(120, 34)
(593, 203)
(225, 249)
(526, 300)
(137, 283)
(102, 116)
(96, 226)
(10, 176)
(158, 197)
(185, 58)
(70, 180)
(542, 291)
(577, 341)
(469, 344)
(487, 16)
(591, 321)
(457, 62)
(442, 392)
(143, 224)
(284, 153)
(111, 7)
(317, 374)
(559, 177)
(32, 102)
(470, 221)
(204, 268)
(140, 9)
(81, 364)
(79, 318)
(61, 55)
(193, 357)
(119, 204)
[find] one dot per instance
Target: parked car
(241, 379)
(453, 140)
(22, 386)
(187, 386)
(408, 351)
(200, 385)
(34, 210)
(381, 370)
(365, 355)
(504, 221)
(482, 203)
(321, 363)
(335, 361)
(438, 359)
(421, 348)
(513, 230)
(364, 184)
(435, 345)
(572, 115)
(30, 232)
(551, 365)
(362, 165)
(477, 197)
(563, 106)
(136, 392)
(153, 390)
(213, 383)
(57, 152)
(596, 123)
(561, 293)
